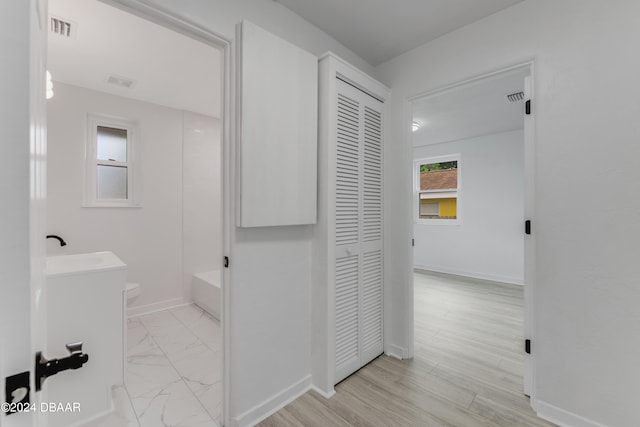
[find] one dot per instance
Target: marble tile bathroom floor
(173, 375)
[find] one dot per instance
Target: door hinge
(527, 227)
(527, 346)
(527, 107)
(226, 262)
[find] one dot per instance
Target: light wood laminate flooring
(467, 369)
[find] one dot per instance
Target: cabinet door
(278, 92)
(358, 230)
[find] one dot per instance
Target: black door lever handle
(46, 368)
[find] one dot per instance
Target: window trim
(416, 190)
(94, 120)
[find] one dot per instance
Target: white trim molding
(273, 404)
(131, 163)
(151, 308)
(323, 393)
(470, 274)
(563, 417)
(396, 351)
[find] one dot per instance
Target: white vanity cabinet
(348, 242)
(84, 303)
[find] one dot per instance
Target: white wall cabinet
(278, 132)
(348, 256)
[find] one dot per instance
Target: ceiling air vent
(62, 27)
(515, 97)
(120, 81)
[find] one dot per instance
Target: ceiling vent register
(515, 97)
(62, 27)
(120, 81)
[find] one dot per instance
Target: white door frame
(529, 199)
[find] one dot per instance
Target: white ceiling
(176, 71)
(168, 68)
(379, 30)
(475, 109)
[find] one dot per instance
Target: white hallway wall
(149, 239)
(489, 242)
(586, 276)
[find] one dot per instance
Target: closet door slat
(347, 171)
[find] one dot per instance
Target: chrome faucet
(58, 238)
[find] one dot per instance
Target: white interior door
(24, 147)
(358, 230)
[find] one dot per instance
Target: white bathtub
(206, 292)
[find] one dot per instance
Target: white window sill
(438, 222)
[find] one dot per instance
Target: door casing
(529, 212)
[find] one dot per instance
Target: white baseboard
(561, 417)
(325, 394)
(150, 308)
(273, 404)
(397, 352)
(474, 275)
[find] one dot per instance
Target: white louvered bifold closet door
(358, 230)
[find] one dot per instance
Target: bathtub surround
(149, 239)
(201, 197)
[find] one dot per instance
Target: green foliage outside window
(439, 166)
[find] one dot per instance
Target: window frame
(416, 190)
(95, 120)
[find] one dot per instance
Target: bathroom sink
(71, 260)
(79, 263)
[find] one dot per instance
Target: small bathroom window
(110, 162)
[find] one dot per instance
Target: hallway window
(110, 162)
(437, 189)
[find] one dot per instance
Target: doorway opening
(168, 79)
(472, 259)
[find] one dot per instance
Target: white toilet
(133, 290)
